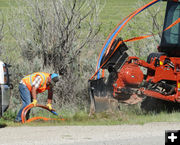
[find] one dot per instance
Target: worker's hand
(34, 102)
(49, 106)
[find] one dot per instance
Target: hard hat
(55, 77)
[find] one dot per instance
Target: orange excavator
(126, 82)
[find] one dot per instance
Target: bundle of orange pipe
(30, 106)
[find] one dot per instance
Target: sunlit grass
(104, 118)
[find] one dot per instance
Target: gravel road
(148, 134)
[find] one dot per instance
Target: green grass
(6, 3)
(113, 12)
(130, 117)
(3, 3)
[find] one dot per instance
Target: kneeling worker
(33, 84)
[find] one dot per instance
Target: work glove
(34, 102)
(49, 106)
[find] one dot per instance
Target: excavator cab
(170, 41)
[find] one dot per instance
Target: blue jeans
(26, 100)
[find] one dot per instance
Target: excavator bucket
(101, 91)
(101, 97)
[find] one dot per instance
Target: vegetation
(130, 115)
(37, 37)
(49, 36)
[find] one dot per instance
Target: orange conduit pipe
(130, 40)
(128, 18)
(109, 37)
(30, 106)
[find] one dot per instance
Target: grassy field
(6, 3)
(3, 3)
(105, 118)
(113, 12)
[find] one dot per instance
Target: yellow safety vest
(28, 80)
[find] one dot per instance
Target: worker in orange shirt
(33, 84)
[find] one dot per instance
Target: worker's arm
(34, 94)
(50, 95)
